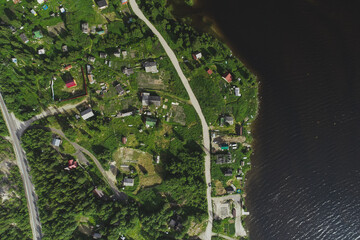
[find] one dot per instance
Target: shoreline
(210, 26)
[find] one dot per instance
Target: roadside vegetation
(14, 216)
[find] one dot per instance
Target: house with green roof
(38, 34)
(150, 122)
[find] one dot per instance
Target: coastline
(210, 26)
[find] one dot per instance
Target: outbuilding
(86, 114)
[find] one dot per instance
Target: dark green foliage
(14, 216)
(64, 196)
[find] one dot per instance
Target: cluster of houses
(95, 29)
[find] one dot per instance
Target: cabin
(150, 67)
(125, 114)
(41, 51)
(128, 71)
(209, 71)
(124, 2)
(224, 159)
(228, 172)
(68, 67)
(86, 114)
(128, 182)
(38, 34)
(147, 100)
(237, 92)
(97, 236)
(227, 77)
(224, 146)
(117, 53)
(71, 165)
(64, 48)
(91, 59)
(197, 55)
(102, 55)
(85, 28)
(229, 190)
(229, 120)
(24, 38)
(56, 142)
(124, 53)
(102, 4)
(91, 78)
(119, 90)
(69, 80)
(124, 140)
(150, 122)
(16, 1)
(98, 192)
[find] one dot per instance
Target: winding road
(196, 105)
(119, 195)
(24, 170)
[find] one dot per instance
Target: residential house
(102, 55)
(56, 142)
(98, 192)
(38, 34)
(68, 67)
(229, 120)
(16, 1)
(33, 12)
(227, 77)
(117, 53)
(119, 90)
(197, 55)
(150, 67)
(128, 182)
(125, 114)
(97, 236)
(224, 146)
(209, 71)
(41, 51)
(150, 122)
(102, 4)
(224, 159)
(147, 100)
(128, 71)
(229, 190)
(91, 78)
(64, 48)
(69, 80)
(40, 1)
(124, 1)
(91, 59)
(86, 114)
(124, 140)
(71, 165)
(228, 172)
(24, 38)
(85, 27)
(124, 53)
(237, 92)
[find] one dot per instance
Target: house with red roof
(67, 67)
(227, 77)
(71, 83)
(71, 165)
(209, 71)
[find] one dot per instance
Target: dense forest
(14, 216)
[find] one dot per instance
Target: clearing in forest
(143, 163)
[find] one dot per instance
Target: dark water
(305, 182)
